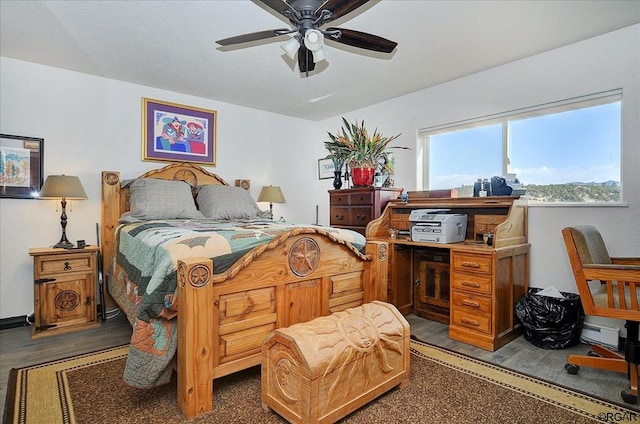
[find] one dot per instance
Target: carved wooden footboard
(223, 319)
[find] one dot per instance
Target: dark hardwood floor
(17, 349)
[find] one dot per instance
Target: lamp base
(64, 244)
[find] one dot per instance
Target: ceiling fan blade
(340, 7)
(280, 6)
(245, 38)
(305, 59)
(363, 40)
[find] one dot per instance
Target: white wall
(92, 124)
(599, 64)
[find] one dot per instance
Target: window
(567, 151)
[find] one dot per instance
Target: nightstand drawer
(81, 262)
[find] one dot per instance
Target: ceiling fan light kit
(307, 17)
(291, 47)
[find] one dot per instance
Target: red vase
(362, 177)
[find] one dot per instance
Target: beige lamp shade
(62, 187)
(271, 194)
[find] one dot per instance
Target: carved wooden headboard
(115, 199)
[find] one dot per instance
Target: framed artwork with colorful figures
(178, 133)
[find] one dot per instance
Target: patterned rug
(445, 387)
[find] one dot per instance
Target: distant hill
(577, 192)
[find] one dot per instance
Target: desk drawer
(470, 303)
(472, 263)
(487, 223)
(474, 320)
(472, 282)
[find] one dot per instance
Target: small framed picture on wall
(20, 166)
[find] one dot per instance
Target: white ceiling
(171, 45)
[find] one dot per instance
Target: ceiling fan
(306, 18)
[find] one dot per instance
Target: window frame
(503, 118)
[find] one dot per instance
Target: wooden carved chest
(324, 369)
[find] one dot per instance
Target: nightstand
(64, 289)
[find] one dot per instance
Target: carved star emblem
(304, 257)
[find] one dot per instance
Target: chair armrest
(613, 272)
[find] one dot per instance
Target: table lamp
(63, 187)
(271, 194)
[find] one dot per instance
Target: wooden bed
(224, 318)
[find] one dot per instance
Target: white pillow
(152, 198)
(226, 202)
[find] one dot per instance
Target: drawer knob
(360, 217)
(470, 264)
(339, 217)
(471, 322)
(471, 284)
(67, 267)
(470, 303)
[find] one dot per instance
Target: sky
(581, 145)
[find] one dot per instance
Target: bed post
(195, 336)
(110, 214)
(378, 270)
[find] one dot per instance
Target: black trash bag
(551, 323)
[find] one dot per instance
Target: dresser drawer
(470, 303)
(360, 216)
(339, 199)
(55, 264)
(472, 282)
(473, 320)
(339, 216)
(365, 198)
(472, 263)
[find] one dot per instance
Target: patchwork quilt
(144, 281)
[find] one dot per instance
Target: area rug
(446, 387)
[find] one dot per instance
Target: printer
(437, 226)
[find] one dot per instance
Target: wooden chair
(617, 296)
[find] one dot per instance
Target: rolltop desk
(470, 285)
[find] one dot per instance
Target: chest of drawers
(354, 208)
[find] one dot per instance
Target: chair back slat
(633, 289)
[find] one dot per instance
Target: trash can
(551, 322)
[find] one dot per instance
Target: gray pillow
(226, 202)
(152, 198)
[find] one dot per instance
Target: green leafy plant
(353, 144)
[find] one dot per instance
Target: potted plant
(362, 151)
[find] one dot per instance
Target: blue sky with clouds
(582, 145)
